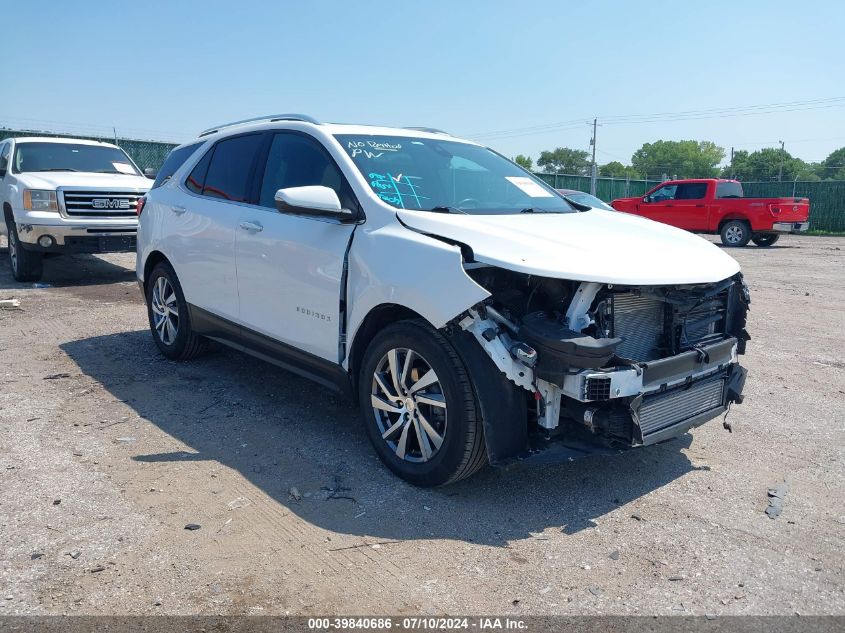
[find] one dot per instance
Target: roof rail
(268, 117)
(430, 130)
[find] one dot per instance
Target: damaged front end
(603, 368)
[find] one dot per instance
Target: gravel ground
(107, 452)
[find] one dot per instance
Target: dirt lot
(107, 451)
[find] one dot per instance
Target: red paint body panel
(695, 206)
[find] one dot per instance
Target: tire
(735, 234)
(170, 321)
(26, 265)
(439, 421)
(766, 239)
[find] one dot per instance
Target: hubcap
(165, 311)
(13, 249)
(734, 234)
(409, 405)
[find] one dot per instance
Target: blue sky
(169, 69)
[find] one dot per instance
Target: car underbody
(604, 368)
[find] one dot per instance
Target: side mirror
(4, 165)
(313, 200)
(150, 173)
(646, 198)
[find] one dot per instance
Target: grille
(100, 204)
(663, 410)
(639, 320)
(597, 388)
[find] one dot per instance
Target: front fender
(394, 265)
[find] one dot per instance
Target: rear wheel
(735, 233)
(170, 321)
(767, 239)
(26, 265)
(419, 407)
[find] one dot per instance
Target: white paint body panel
(596, 245)
(289, 277)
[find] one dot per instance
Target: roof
(60, 139)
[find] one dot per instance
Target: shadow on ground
(68, 270)
(279, 431)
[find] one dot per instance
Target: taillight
(140, 207)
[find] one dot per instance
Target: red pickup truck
(713, 206)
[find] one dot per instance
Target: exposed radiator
(639, 320)
(662, 410)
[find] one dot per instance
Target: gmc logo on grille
(109, 203)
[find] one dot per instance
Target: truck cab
(65, 195)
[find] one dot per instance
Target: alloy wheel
(13, 249)
(734, 234)
(165, 311)
(409, 405)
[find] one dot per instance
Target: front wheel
(765, 240)
(26, 265)
(735, 233)
(170, 321)
(419, 408)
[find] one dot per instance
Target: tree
(769, 164)
(524, 161)
(564, 160)
(833, 167)
(615, 169)
(684, 159)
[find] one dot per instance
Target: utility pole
(732, 163)
(594, 172)
(780, 169)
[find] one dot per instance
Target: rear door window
(728, 190)
(691, 191)
(174, 161)
(230, 168)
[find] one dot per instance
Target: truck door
(689, 208)
(658, 205)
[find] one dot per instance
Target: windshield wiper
(446, 209)
(57, 169)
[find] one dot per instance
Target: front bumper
(790, 227)
(62, 238)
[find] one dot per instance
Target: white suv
(474, 313)
(66, 195)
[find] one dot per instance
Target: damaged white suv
(474, 312)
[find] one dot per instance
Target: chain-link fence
(827, 197)
(146, 154)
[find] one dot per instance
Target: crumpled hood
(601, 246)
(81, 179)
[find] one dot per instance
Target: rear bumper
(790, 227)
(60, 238)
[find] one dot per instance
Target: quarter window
(231, 164)
(298, 161)
(196, 179)
(174, 161)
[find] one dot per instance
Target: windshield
(71, 157)
(590, 201)
(447, 176)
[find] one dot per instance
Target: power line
(752, 110)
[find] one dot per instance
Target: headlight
(39, 200)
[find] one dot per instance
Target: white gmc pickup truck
(62, 195)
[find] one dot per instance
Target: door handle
(252, 227)
(699, 206)
(178, 210)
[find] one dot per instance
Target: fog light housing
(46, 241)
